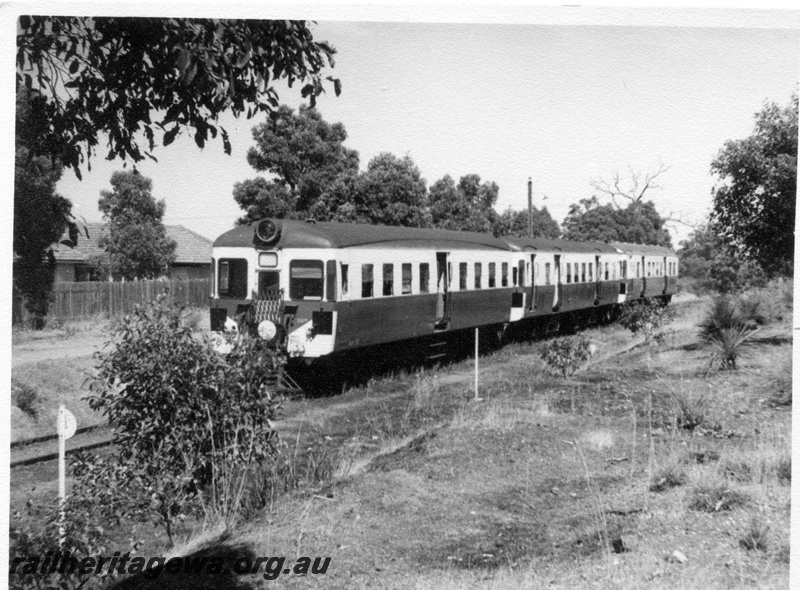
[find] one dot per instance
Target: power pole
(530, 207)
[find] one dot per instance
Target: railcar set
(318, 289)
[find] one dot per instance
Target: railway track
(45, 448)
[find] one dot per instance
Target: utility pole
(530, 207)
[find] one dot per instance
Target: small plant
(729, 343)
(691, 409)
(755, 535)
(644, 316)
(669, 476)
(25, 397)
(728, 328)
(565, 355)
(783, 470)
(715, 496)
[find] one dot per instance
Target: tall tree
(305, 154)
(515, 223)
(638, 223)
(754, 200)
(137, 242)
(468, 206)
(391, 191)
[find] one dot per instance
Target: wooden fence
(73, 301)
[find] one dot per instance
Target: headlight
(267, 330)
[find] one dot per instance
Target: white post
(62, 474)
(476, 364)
(65, 426)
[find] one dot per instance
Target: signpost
(65, 426)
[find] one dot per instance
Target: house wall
(65, 272)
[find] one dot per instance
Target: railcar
(321, 288)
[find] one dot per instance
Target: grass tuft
(26, 398)
(715, 496)
(755, 536)
(668, 477)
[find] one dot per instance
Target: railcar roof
(642, 249)
(551, 245)
(304, 234)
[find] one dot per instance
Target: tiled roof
(192, 248)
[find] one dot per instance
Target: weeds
(755, 535)
(729, 343)
(565, 355)
(691, 409)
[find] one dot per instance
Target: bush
(565, 355)
(755, 535)
(644, 315)
(728, 325)
(184, 417)
(25, 398)
(716, 496)
(670, 476)
(691, 409)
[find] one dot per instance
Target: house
(192, 255)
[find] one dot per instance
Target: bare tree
(632, 188)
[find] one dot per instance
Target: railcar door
(557, 291)
(533, 281)
(442, 290)
(596, 280)
(664, 272)
(644, 277)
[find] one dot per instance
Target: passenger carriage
(320, 288)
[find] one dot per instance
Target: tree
(109, 75)
(390, 192)
(631, 189)
(638, 223)
(515, 223)
(41, 217)
(137, 242)
(305, 153)
(754, 200)
(466, 207)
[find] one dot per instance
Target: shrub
(25, 397)
(728, 328)
(644, 316)
(182, 414)
(566, 354)
(690, 409)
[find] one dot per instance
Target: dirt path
(45, 350)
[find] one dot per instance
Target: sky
(511, 95)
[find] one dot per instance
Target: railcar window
(462, 276)
(591, 269)
(345, 279)
(492, 268)
(583, 272)
(504, 275)
(388, 279)
(305, 279)
(330, 280)
(569, 272)
(233, 278)
(606, 275)
(424, 277)
(520, 274)
(213, 276)
(406, 278)
(514, 276)
(546, 273)
(478, 275)
(366, 280)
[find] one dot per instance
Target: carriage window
(606, 275)
(233, 278)
(345, 279)
(492, 267)
(569, 272)
(583, 272)
(305, 279)
(424, 277)
(520, 274)
(514, 276)
(462, 276)
(388, 279)
(546, 273)
(504, 275)
(478, 275)
(406, 279)
(591, 277)
(576, 272)
(366, 280)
